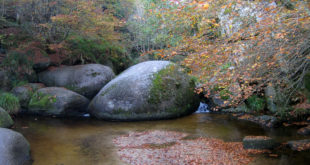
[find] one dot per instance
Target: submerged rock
(14, 148)
(299, 145)
(86, 80)
(304, 130)
(264, 120)
(5, 119)
(24, 92)
(258, 142)
(57, 101)
(149, 90)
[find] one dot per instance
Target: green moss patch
(9, 102)
(42, 101)
(5, 119)
(171, 84)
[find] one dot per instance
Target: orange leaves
(167, 147)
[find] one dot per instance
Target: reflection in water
(89, 142)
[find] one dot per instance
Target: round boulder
(56, 101)
(24, 92)
(14, 148)
(5, 119)
(86, 80)
(146, 91)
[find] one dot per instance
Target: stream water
(88, 141)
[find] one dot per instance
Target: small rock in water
(203, 108)
(304, 130)
(299, 145)
(258, 142)
(264, 120)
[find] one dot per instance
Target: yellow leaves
(304, 19)
(205, 6)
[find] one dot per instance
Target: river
(88, 141)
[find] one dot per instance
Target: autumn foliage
(236, 53)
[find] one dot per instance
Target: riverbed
(87, 141)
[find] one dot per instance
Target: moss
(72, 87)
(227, 10)
(161, 88)
(108, 90)
(122, 112)
(9, 102)
(94, 74)
(256, 103)
(5, 119)
(225, 94)
(40, 100)
(168, 84)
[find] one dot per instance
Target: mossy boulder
(5, 119)
(56, 101)
(25, 92)
(146, 91)
(14, 148)
(86, 80)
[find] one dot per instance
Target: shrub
(256, 103)
(9, 102)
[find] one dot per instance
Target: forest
(240, 67)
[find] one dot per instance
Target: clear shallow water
(88, 141)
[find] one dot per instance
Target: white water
(203, 108)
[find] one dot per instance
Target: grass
(9, 102)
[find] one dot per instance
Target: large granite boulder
(86, 80)
(14, 148)
(24, 92)
(56, 101)
(5, 119)
(146, 91)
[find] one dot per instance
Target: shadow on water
(88, 141)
